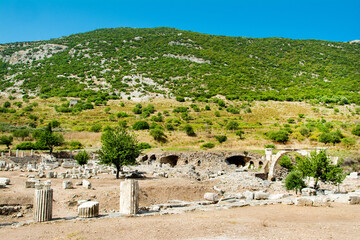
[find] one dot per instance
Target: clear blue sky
(28, 20)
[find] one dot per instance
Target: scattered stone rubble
(237, 177)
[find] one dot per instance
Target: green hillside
(126, 62)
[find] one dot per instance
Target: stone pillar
(2, 154)
(17, 152)
(43, 202)
(129, 197)
(32, 152)
(268, 154)
(9, 153)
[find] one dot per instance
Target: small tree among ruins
(119, 148)
(48, 139)
(320, 167)
(82, 158)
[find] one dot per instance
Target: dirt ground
(260, 222)
(105, 190)
(341, 221)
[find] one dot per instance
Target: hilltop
(166, 62)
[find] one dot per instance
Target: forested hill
(165, 61)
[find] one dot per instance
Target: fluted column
(129, 197)
(43, 202)
(89, 209)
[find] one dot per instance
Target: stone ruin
(234, 170)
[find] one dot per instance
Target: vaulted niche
(239, 160)
(171, 159)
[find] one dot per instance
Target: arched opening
(171, 159)
(144, 158)
(186, 161)
(251, 165)
(152, 157)
(236, 160)
(199, 163)
(260, 164)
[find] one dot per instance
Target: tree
(320, 167)
(21, 133)
(6, 140)
(82, 158)
(294, 180)
(119, 147)
(240, 133)
(48, 139)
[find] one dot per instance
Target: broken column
(43, 202)
(129, 197)
(88, 209)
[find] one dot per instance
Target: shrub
(333, 137)
(75, 145)
(285, 162)
(82, 158)
(158, 134)
(141, 125)
(207, 108)
(185, 116)
(157, 118)
(137, 110)
(170, 127)
(270, 146)
(294, 181)
(122, 115)
(144, 145)
(26, 146)
(149, 109)
(189, 130)
(7, 104)
(107, 109)
(356, 130)
(208, 145)
(122, 123)
(180, 109)
(291, 120)
(180, 99)
(304, 131)
(217, 114)
(232, 125)
(233, 110)
(279, 136)
(348, 142)
(220, 138)
(95, 128)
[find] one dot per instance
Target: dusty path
(260, 222)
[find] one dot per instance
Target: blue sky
(28, 20)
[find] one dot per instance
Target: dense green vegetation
(95, 66)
